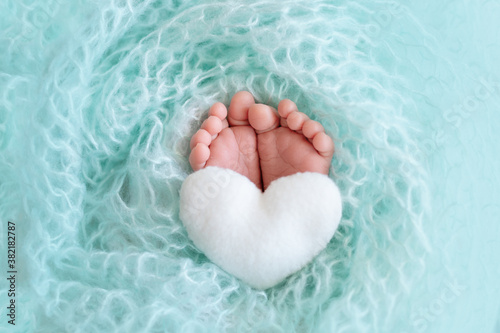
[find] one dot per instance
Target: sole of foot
(260, 142)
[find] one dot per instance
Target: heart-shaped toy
(261, 238)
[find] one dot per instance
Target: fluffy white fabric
(258, 237)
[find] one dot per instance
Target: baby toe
(212, 125)
(238, 109)
(218, 110)
(323, 144)
(311, 128)
(285, 107)
(263, 118)
(199, 156)
(201, 136)
(296, 120)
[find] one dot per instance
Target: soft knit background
(98, 100)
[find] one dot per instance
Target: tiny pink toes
(262, 118)
(311, 128)
(212, 125)
(285, 107)
(243, 96)
(202, 136)
(296, 120)
(238, 109)
(323, 144)
(199, 156)
(218, 110)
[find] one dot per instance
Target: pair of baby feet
(260, 142)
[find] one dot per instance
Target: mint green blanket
(98, 103)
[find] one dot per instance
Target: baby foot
(289, 142)
(228, 143)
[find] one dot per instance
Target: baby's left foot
(226, 140)
(289, 142)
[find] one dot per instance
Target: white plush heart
(261, 238)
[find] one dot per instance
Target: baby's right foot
(228, 143)
(289, 142)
